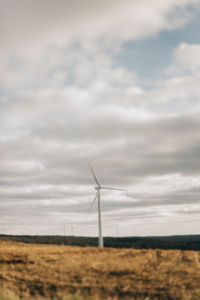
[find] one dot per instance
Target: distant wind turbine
(98, 188)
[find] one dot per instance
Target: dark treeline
(183, 242)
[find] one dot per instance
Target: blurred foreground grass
(52, 272)
(9, 295)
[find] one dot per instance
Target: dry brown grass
(56, 271)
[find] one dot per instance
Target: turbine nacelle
(97, 188)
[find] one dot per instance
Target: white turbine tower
(98, 188)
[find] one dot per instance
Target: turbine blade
(91, 169)
(111, 188)
(92, 203)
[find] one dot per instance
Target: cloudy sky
(117, 82)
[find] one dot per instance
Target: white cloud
(187, 59)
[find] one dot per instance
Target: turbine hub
(97, 188)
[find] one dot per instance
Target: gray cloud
(64, 97)
(30, 22)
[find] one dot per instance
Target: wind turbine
(98, 189)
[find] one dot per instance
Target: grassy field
(55, 272)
